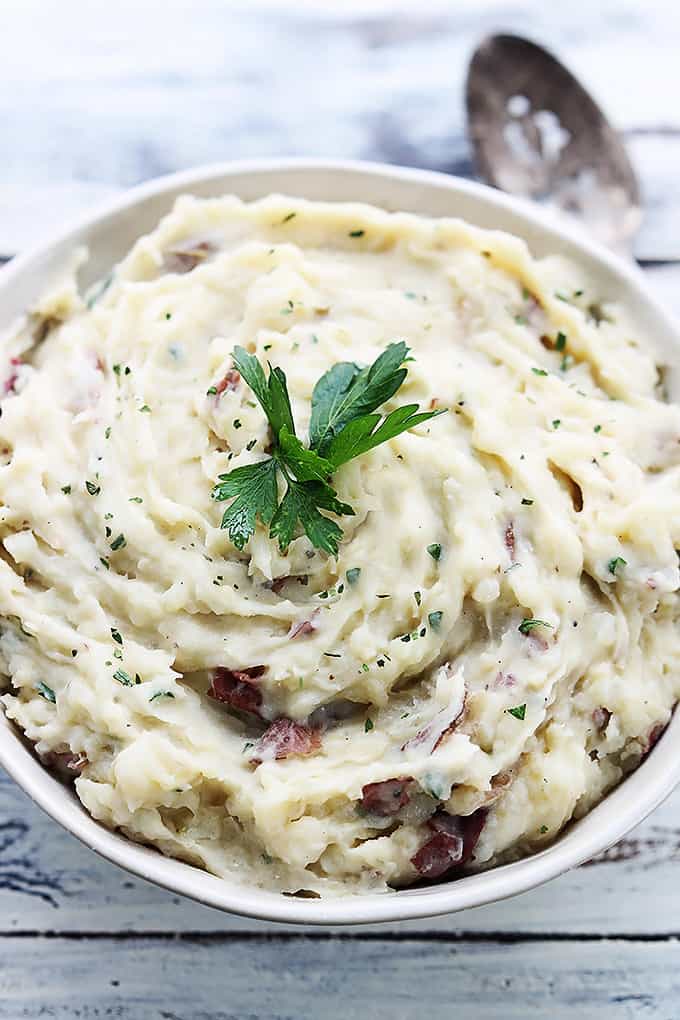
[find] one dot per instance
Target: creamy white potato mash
(495, 645)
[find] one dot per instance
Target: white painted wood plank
(90, 104)
(294, 979)
(50, 882)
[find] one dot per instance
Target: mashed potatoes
(496, 643)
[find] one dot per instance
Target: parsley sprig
(343, 426)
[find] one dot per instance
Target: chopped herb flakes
(519, 711)
(527, 502)
(418, 597)
(118, 543)
(161, 694)
(66, 489)
(368, 726)
(556, 423)
(598, 428)
(435, 619)
(539, 371)
(135, 499)
(357, 233)
(526, 626)
(560, 341)
(237, 423)
(145, 409)
(115, 634)
(104, 563)
(107, 432)
(211, 391)
(615, 564)
(353, 575)
(289, 217)
(123, 678)
(435, 550)
(543, 829)
(46, 692)
(93, 488)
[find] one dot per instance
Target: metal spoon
(536, 132)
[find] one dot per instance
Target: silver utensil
(537, 132)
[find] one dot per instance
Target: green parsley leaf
(363, 434)
(614, 564)
(272, 393)
(418, 597)
(135, 499)
(561, 341)
(527, 502)
(118, 543)
(346, 392)
(539, 371)
(303, 501)
(306, 464)
(257, 495)
(435, 619)
(435, 550)
(519, 711)
(526, 626)
(123, 678)
(597, 428)
(46, 692)
(368, 726)
(556, 423)
(93, 488)
(353, 575)
(161, 694)
(66, 489)
(115, 634)
(342, 427)
(357, 233)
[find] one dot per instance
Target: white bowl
(108, 234)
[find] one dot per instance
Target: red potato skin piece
(285, 737)
(601, 717)
(509, 539)
(238, 688)
(65, 763)
(440, 854)
(11, 381)
(455, 838)
(422, 736)
(387, 797)
(229, 381)
(655, 735)
(183, 260)
(300, 629)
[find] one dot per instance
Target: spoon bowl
(536, 132)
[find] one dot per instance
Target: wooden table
(99, 97)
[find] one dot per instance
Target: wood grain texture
(49, 882)
(92, 103)
(297, 978)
